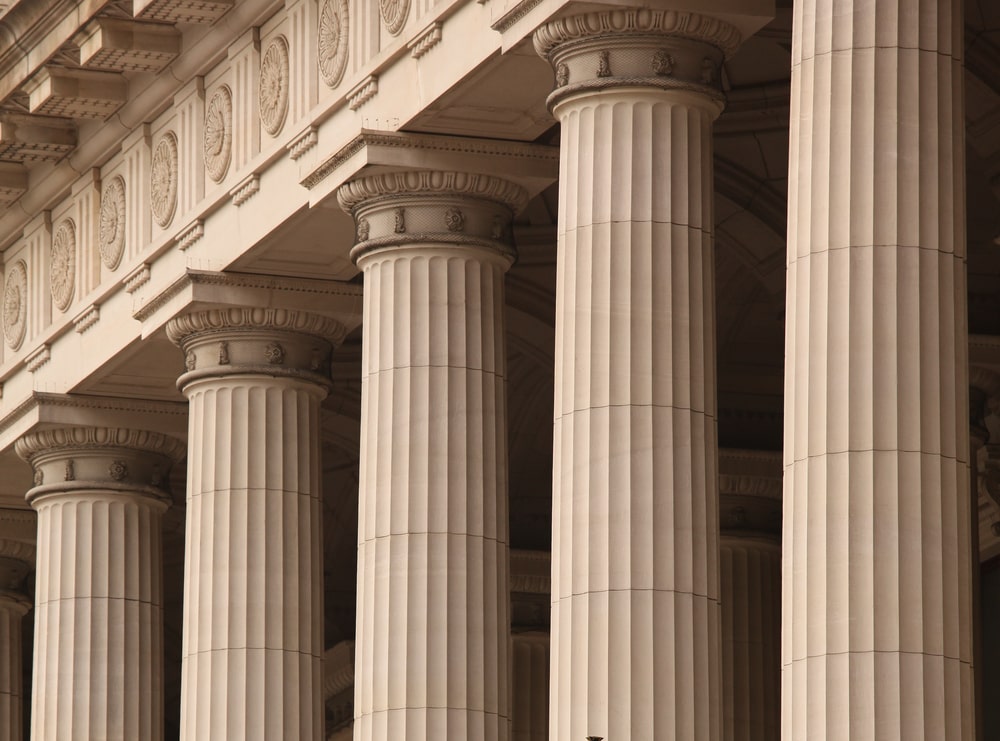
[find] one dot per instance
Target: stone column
(635, 570)
(530, 682)
(876, 638)
(253, 573)
(433, 626)
(100, 494)
(750, 559)
(17, 560)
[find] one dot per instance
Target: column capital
(17, 560)
(233, 341)
(441, 208)
(77, 459)
(637, 47)
(750, 492)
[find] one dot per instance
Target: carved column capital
(250, 341)
(637, 47)
(422, 207)
(78, 459)
(17, 560)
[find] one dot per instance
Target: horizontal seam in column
(265, 489)
(253, 648)
(815, 456)
(589, 224)
(432, 532)
(676, 407)
(91, 597)
(876, 651)
(892, 245)
(380, 371)
(938, 52)
(432, 707)
(636, 589)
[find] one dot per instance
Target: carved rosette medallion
(394, 14)
(218, 142)
(15, 304)
(334, 27)
(272, 91)
(163, 180)
(62, 270)
(112, 227)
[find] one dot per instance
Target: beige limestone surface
(876, 640)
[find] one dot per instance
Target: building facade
(499, 370)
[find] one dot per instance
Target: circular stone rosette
(219, 133)
(112, 228)
(272, 92)
(394, 13)
(334, 26)
(63, 267)
(163, 180)
(15, 304)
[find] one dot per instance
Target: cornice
(33, 444)
(637, 21)
(362, 190)
(430, 144)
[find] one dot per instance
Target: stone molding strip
(38, 443)
(363, 190)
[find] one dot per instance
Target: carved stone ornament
(62, 270)
(39, 477)
(70, 472)
(223, 353)
(454, 219)
(112, 228)
(15, 304)
(219, 133)
(662, 63)
(190, 360)
(275, 353)
(707, 71)
(118, 470)
(334, 28)
(399, 221)
(394, 14)
(163, 180)
(364, 229)
(562, 74)
(604, 64)
(272, 91)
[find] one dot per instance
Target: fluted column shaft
(530, 681)
(13, 607)
(635, 571)
(876, 640)
(433, 613)
(98, 661)
(253, 572)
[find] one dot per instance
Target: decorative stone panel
(163, 180)
(62, 268)
(15, 304)
(333, 42)
(272, 90)
(218, 135)
(112, 227)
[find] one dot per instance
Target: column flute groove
(635, 541)
(877, 559)
(433, 612)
